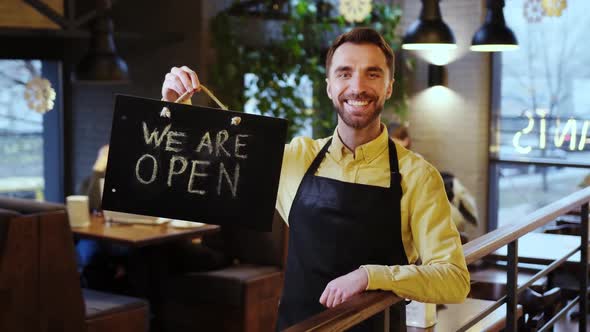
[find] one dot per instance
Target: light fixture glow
(493, 48)
(440, 57)
(429, 47)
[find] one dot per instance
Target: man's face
(358, 83)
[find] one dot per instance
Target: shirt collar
(366, 152)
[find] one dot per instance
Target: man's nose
(357, 84)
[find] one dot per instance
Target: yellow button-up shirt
(427, 231)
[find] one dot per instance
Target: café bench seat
(39, 282)
(243, 296)
(113, 313)
(237, 298)
(27, 206)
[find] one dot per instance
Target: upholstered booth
(39, 283)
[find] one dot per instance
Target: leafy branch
(283, 66)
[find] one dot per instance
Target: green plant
(283, 66)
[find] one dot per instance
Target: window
(30, 130)
(303, 90)
(540, 137)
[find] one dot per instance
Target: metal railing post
(584, 267)
(512, 287)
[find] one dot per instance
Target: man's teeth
(357, 102)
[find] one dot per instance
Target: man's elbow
(461, 287)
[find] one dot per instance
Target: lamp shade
(494, 35)
(102, 63)
(429, 32)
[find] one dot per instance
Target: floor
(566, 324)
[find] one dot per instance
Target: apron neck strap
(318, 159)
(396, 177)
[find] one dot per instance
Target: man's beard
(358, 123)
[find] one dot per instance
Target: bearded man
(362, 210)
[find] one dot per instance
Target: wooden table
(453, 316)
(541, 248)
(148, 263)
(138, 235)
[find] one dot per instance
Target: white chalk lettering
(237, 147)
(153, 136)
(205, 141)
(172, 172)
(154, 169)
(221, 138)
(170, 140)
(232, 185)
(194, 174)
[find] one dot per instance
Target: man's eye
(344, 75)
(374, 75)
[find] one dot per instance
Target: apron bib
(335, 227)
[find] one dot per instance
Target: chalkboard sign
(200, 164)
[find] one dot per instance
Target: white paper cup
(78, 214)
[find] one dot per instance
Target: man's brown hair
(362, 36)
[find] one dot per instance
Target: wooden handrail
(349, 313)
(496, 239)
(364, 305)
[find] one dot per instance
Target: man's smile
(357, 105)
(357, 102)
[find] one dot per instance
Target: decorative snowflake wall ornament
(533, 11)
(554, 7)
(39, 95)
(355, 10)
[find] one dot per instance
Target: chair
(539, 304)
(241, 297)
(39, 282)
(539, 308)
(563, 229)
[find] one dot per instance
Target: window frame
(494, 160)
(53, 127)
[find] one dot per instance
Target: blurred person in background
(463, 206)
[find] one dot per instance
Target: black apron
(334, 228)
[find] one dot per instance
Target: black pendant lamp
(494, 35)
(102, 63)
(429, 32)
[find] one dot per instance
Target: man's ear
(328, 88)
(389, 88)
